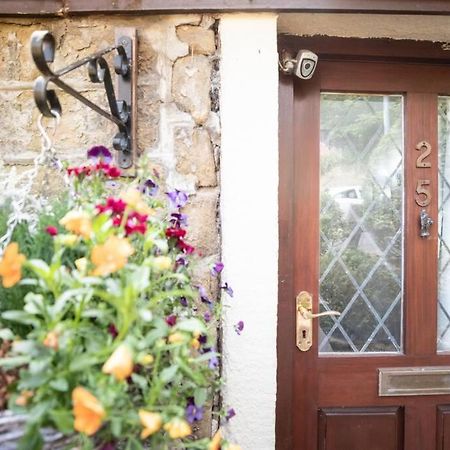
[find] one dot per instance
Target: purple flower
(178, 220)
(194, 413)
(213, 361)
(181, 261)
(230, 414)
(207, 316)
(100, 153)
(239, 327)
(171, 320)
(227, 289)
(108, 446)
(178, 198)
(203, 339)
(203, 295)
(184, 302)
(149, 188)
(217, 268)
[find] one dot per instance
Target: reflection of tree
(361, 147)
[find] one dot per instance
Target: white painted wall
(249, 210)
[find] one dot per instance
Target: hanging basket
(12, 428)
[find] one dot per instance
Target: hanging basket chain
(46, 157)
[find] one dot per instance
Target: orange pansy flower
(51, 340)
(11, 265)
(178, 428)
(152, 422)
(216, 440)
(77, 222)
(111, 256)
(88, 411)
(133, 198)
(120, 363)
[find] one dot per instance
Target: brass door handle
(305, 315)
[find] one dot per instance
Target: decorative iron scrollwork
(120, 112)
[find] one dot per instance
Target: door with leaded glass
(368, 230)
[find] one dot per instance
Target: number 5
(422, 190)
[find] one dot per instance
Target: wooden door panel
(330, 401)
(443, 427)
(361, 428)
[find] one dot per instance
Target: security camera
(303, 66)
(306, 64)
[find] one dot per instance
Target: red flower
(171, 320)
(52, 231)
(113, 172)
(175, 232)
(116, 205)
(184, 247)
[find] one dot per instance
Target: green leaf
(37, 412)
(6, 334)
(133, 444)
(140, 380)
(82, 362)
(116, 426)
(60, 384)
(63, 419)
(62, 300)
(191, 325)
(14, 361)
(200, 396)
(34, 304)
(140, 278)
(168, 373)
(32, 439)
(39, 267)
(20, 317)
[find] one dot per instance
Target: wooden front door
(365, 156)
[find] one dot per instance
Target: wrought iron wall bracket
(122, 105)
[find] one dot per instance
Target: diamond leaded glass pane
(443, 334)
(361, 223)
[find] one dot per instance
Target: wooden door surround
(330, 396)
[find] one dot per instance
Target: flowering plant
(119, 350)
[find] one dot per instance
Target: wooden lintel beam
(74, 7)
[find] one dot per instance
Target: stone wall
(178, 121)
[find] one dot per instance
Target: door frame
(334, 49)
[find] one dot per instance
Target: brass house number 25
(423, 197)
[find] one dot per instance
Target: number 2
(420, 160)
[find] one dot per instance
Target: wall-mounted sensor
(303, 66)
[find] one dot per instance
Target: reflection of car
(347, 196)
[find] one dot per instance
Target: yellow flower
(81, 264)
(111, 256)
(162, 263)
(23, 398)
(88, 411)
(77, 222)
(195, 344)
(152, 422)
(11, 265)
(120, 363)
(146, 360)
(176, 338)
(132, 197)
(216, 440)
(51, 340)
(178, 428)
(68, 239)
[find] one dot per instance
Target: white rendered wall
(249, 217)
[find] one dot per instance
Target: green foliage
(33, 243)
(111, 325)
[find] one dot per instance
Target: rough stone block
(202, 219)
(191, 85)
(196, 158)
(201, 41)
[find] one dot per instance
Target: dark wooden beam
(72, 7)
(31, 7)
